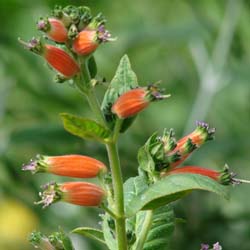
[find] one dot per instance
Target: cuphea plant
(137, 214)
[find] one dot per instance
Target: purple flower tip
(204, 246)
(101, 29)
(217, 246)
(49, 195)
(29, 167)
(41, 25)
(48, 185)
(202, 124)
(104, 35)
(32, 43)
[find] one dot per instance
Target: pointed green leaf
(124, 80)
(132, 187)
(85, 128)
(92, 67)
(145, 159)
(161, 230)
(91, 233)
(67, 244)
(61, 241)
(171, 188)
(108, 232)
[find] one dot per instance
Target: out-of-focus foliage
(200, 50)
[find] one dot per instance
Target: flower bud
(61, 61)
(77, 193)
(67, 165)
(189, 143)
(224, 177)
(59, 13)
(194, 170)
(183, 151)
(89, 39)
(133, 101)
(86, 42)
(54, 29)
(56, 58)
(200, 135)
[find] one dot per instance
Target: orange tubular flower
(215, 175)
(86, 42)
(77, 193)
(67, 165)
(223, 177)
(54, 29)
(133, 101)
(189, 143)
(89, 39)
(82, 193)
(57, 58)
(200, 135)
(61, 61)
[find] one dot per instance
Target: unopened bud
(79, 166)
(57, 58)
(186, 145)
(133, 101)
(54, 29)
(77, 193)
(224, 177)
(89, 39)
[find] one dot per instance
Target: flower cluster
(78, 193)
(168, 153)
(72, 36)
(75, 33)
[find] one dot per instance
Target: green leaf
(171, 188)
(91, 233)
(108, 232)
(161, 230)
(67, 244)
(132, 187)
(92, 67)
(124, 80)
(85, 128)
(61, 241)
(146, 162)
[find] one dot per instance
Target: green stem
(85, 72)
(118, 194)
(117, 128)
(95, 106)
(114, 161)
(107, 210)
(84, 84)
(145, 229)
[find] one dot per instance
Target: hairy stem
(95, 106)
(118, 193)
(117, 128)
(113, 160)
(145, 229)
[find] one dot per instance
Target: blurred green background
(201, 52)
